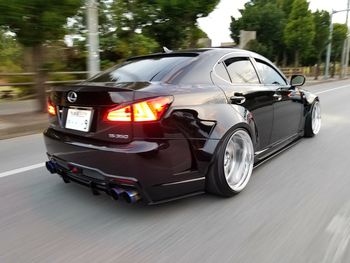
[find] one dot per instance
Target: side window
(222, 72)
(241, 70)
(269, 74)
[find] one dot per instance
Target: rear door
(239, 79)
(287, 104)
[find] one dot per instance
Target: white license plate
(78, 120)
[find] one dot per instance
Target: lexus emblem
(72, 97)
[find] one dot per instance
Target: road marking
(21, 170)
(329, 90)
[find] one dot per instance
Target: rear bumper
(159, 169)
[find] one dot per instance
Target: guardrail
(10, 93)
(48, 74)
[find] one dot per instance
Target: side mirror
(297, 80)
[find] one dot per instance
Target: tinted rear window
(141, 70)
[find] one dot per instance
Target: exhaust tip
(131, 196)
(51, 167)
(116, 192)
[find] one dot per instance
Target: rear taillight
(143, 111)
(119, 114)
(51, 110)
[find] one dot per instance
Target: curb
(17, 131)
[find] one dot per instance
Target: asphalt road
(295, 209)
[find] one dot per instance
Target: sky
(217, 24)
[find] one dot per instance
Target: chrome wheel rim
(316, 118)
(238, 160)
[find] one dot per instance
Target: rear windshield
(141, 70)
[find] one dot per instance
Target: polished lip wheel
(316, 118)
(238, 160)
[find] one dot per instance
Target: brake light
(119, 114)
(151, 110)
(143, 111)
(51, 108)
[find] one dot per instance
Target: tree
(35, 22)
(10, 52)
(285, 5)
(171, 23)
(267, 19)
(300, 30)
(138, 27)
(338, 38)
(322, 21)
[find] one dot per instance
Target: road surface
(296, 208)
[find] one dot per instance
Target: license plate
(78, 120)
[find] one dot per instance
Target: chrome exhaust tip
(131, 196)
(116, 192)
(51, 167)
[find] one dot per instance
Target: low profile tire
(233, 164)
(313, 120)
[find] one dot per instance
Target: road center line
(329, 90)
(21, 170)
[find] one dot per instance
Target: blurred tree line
(32, 31)
(32, 28)
(288, 33)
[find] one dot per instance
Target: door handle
(277, 96)
(238, 99)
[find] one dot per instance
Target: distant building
(227, 44)
(204, 42)
(245, 37)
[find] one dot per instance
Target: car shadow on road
(68, 196)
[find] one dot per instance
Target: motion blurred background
(45, 43)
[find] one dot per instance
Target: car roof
(205, 60)
(199, 52)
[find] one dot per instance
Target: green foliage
(255, 46)
(285, 5)
(284, 27)
(176, 20)
(319, 45)
(171, 23)
(264, 17)
(138, 27)
(339, 35)
(10, 53)
(299, 32)
(34, 22)
(136, 45)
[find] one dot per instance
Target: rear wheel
(233, 164)
(313, 120)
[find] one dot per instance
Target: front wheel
(313, 120)
(233, 164)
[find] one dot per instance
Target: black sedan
(165, 126)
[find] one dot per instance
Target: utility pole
(347, 43)
(345, 51)
(329, 47)
(93, 60)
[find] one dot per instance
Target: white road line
(329, 90)
(21, 170)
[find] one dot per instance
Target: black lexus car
(165, 126)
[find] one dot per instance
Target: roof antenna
(167, 50)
